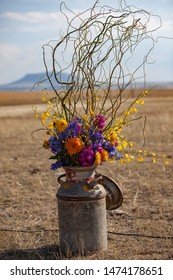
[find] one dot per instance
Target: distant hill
(38, 80)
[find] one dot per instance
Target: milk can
(82, 202)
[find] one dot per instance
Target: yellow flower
(127, 158)
(130, 111)
(54, 118)
(97, 158)
(91, 111)
(87, 126)
(44, 99)
(113, 138)
(137, 101)
(119, 148)
(145, 92)
(85, 117)
(74, 145)
(44, 116)
(131, 143)
(118, 127)
(140, 159)
(111, 135)
(61, 125)
(124, 144)
(51, 125)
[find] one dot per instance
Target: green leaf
(53, 157)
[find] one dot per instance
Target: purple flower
(74, 127)
(100, 121)
(86, 157)
(99, 148)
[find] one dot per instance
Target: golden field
(142, 228)
(20, 98)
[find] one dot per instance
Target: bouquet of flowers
(91, 107)
(82, 143)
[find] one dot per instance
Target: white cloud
(36, 21)
(31, 17)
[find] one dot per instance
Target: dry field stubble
(142, 229)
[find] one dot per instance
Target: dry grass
(143, 228)
(20, 98)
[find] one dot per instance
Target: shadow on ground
(43, 253)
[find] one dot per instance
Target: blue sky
(25, 25)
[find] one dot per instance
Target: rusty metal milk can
(82, 203)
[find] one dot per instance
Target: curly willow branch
(101, 52)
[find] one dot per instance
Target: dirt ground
(142, 228)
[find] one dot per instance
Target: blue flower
(55, 144)
(56, 165)
(118, 156)
(73, 130)
(106, 145)
(111, 150)
(96, 137)
(66, 162)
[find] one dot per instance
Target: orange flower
(104, 155)
(113, 138)
(74, 145)
(46, 144)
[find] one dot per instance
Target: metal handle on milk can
(60, 181)
(114, 197)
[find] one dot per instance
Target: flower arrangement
(85, 118)
(88, 140)
(82, 143)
